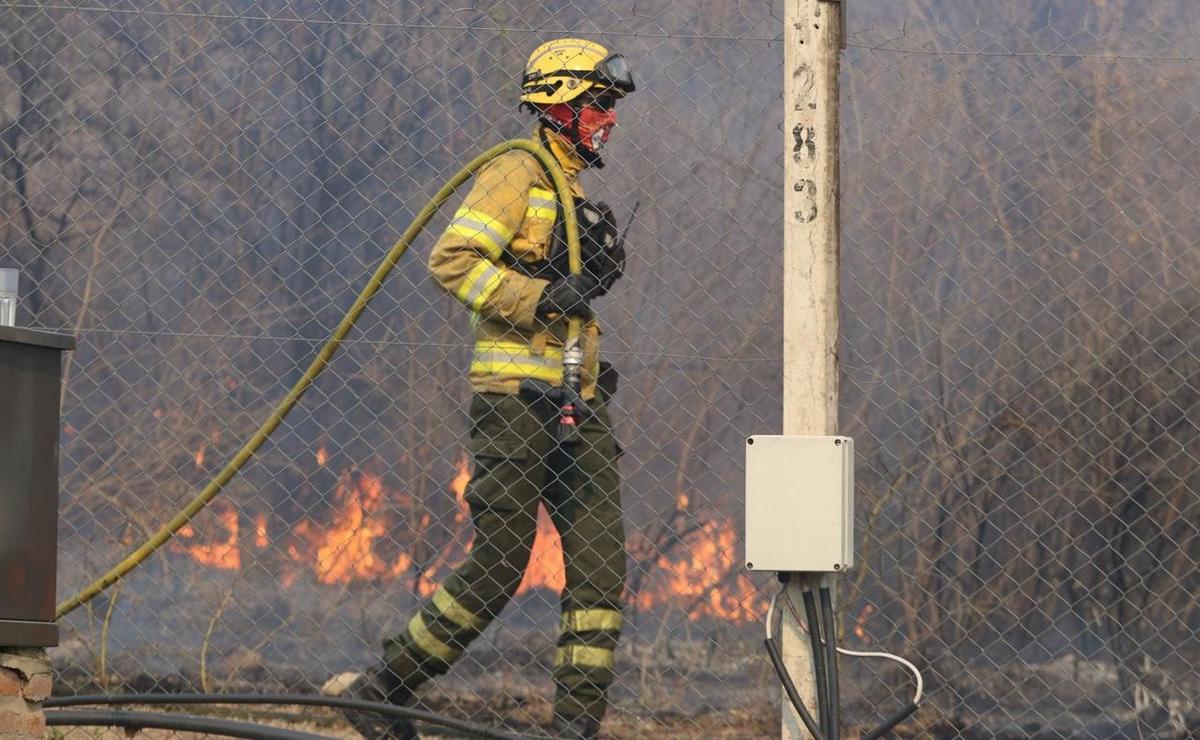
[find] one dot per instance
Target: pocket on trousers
(498, 448)
(494, 428)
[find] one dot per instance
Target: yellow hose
(322, 359)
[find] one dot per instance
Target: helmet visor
(613, 71)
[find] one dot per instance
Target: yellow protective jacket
(509, 214)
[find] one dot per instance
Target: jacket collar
(562, 149)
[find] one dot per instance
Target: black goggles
(611, 72)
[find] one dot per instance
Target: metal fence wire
(199, 189)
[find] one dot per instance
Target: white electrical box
(799, 504)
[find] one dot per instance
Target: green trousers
(518, 464)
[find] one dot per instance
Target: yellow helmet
(561, 70)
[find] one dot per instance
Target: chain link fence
(198, 190)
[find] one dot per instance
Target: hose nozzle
(567, 430)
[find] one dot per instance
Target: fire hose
(133, 722)
(128, 719)
(572, 355)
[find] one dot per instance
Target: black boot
(382, 686)
(576, 728)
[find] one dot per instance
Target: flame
(546, 568)
(700, 575)
(453, 553)
(458, 487)
(860, 624)
(261, 541)
(345, 550)
(402, 565)
(224, 555)
(199, 457)
(699, 578)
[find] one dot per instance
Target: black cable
(891, 723)
(789, 686)
(177, 722)
(831, 662)
(812, 617)
(283, 699)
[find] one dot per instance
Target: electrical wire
(238, 336)
(771, 614)
(831, 661)
(259, 18)
(323, 358)
(1102, 56)
(919, 695)
(789, 686)
(820, 670)
(332, 702)
(785, 678)
(920, 681)
(180, 723)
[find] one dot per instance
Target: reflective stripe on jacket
(509, 213)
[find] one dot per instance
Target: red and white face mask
(589, 127)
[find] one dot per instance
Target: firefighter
(503, 257)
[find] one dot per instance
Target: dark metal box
(30, 377)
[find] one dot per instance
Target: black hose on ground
(789, 686)
(333, 702)
(177, 722)
(831, 661)
(812, 617)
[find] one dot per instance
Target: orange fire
(223, 555)
(260, 532)
(697, 578)
(546, 569)
(700, 575)
(454, 552)
(199, 457)
(458, 487)
(860, 624)
(345, 550)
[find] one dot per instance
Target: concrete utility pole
(813, 40)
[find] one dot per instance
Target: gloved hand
(568, 296)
